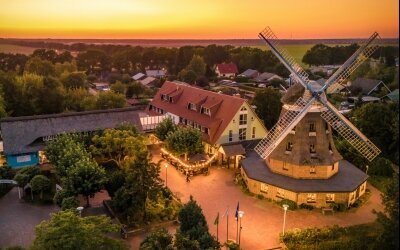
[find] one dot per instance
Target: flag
(216, 221)
(237, 211)
(226, 212)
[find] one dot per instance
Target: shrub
(339, 207)
(306, 206)
(31, 171)
(69, 203)
(260, 196)
(292, 205)
(59, 196)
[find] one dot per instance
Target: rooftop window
(191, 106)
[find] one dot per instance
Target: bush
(260, 196)
(59, 196)
(31, 171)
(306, 206)
(69, 203)
(6, 172)
(381, 167)
(339, 207)
(292, 205)
(231, 245)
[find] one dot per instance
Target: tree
(268, 106)
(376, 121)
(118, 87)
(40, 183)
(188, 76)
(93, 61)
(74, 80)
(142, 183)
(35, 65)
(85, 178)
(135, 89)
(184, 141)
(67, 230)
(164, 128)
(22, 179)
(79, 100)
(389, 239)
(193, 227)
(197, 65)
(3, 112)
(157, 240)
(65, 152)
(116, 144)
(51, 99)
(110, 100)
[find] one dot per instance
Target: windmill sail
(283, 127)
(349, 132)
(272, 41)
(367, 48)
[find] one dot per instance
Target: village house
(138, 76)
(149, 81)
(157, 73)
(226, 122)
(366, 86)
(226, 70)
(249, 73)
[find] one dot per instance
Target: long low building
(23, 137)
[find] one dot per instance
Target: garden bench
(327, 209)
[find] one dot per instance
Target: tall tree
(110, 100)
(40, 183)
(67, 230)
(74, 80)
(184, 141)
(164, 128)
(268, 106)
(197, 65)
(41, 67)
(85, 178)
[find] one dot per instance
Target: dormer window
(192, 106)
(205, 111)
(170, 99)
(243, 109)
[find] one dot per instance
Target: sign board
(8, 182)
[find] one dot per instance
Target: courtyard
(263, 220)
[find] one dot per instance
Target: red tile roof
(227, 68)
(223, 107)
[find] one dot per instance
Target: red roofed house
(226, 70)
(225, 121)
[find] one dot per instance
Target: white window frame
(264, 188)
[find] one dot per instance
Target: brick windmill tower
(300, 157)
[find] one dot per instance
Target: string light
(190, 166)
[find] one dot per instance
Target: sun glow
(196, 19)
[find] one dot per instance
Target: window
(242, 134)
(289, 146)
(284, 166)
(192, 106)
(333, 166)
(243, 119)
(312, 170)
(312, 127)
(312, 149)
(180, 120)
(252, 118)
(253, 134)
(280, 193)
(243, 109)
(330, 147)
(330, 198)
(204, 130)
(170, 99)
(205, 111)
(230, 135)
(264, 188)
(311, 198)
(162, 97)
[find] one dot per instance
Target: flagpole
(227, 227)
(217, 229)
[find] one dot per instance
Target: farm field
(16, 49)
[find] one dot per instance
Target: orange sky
(197, 19)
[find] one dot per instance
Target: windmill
(314, 99)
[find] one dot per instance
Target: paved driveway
(18, 219)
(263, 220)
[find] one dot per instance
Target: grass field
(14, 49)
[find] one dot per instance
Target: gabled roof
(394, 95)
(156, 73)
(266, 76)
(366, 85)
(227, 68)
(222, 107)
(138, 76)
(147, 81)
(250, 73)
(24, 134)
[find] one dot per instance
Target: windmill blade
(349, 132)
(283, 127)
(272, 41)
(367, 48)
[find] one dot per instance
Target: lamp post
(79, 209)
(285, 207)
(366, 170)
(240, 214)
(166, 175)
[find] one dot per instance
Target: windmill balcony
(312, 133)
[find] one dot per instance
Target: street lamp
(240, 214)
(366, 170)
(166, 175)
(79, 209)
(285, 207)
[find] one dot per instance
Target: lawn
(14, 49)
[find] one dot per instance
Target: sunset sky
(213, 19)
